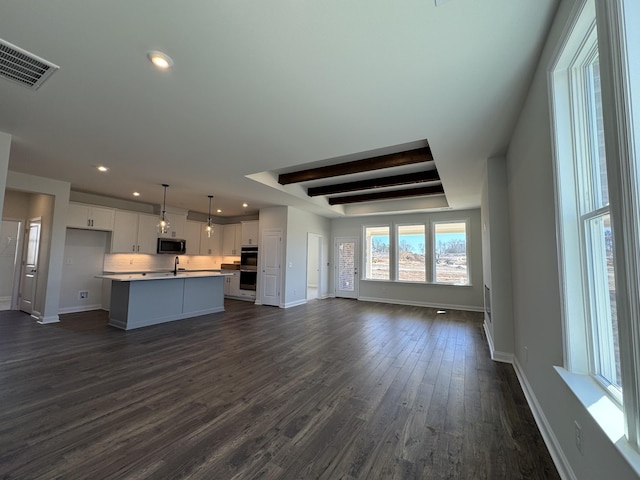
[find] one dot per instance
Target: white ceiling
(265, 86)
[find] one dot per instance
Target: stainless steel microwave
(172, 246)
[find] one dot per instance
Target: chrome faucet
(175, 265)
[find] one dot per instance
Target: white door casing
(30, 266)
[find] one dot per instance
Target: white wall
(59, 193)
(496, 260)
(5, 149)
(299, 224)
(83, 258)
(536, 289)
(9, 231)
(446, 296)
(41, 206)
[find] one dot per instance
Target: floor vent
(23, 67)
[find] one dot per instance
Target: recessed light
(102, 168)
(160, 59)
(136, 194)
(245, 205)
(219, 211)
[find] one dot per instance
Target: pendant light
(209, 227)
(163, 224)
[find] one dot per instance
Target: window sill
(606, 413)
(409, 282)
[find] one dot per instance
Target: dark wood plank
(392, 181)
(410, 157)
(387, 195)
(335, 389)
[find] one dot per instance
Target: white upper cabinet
(177, 225)
(147, 233)
(134, 233)
(210, 245)
(90, 217)
(250, 233)
(231, 239)
(192, 236)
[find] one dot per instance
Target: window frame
(366, 247)
(622, 167)
(433, 223)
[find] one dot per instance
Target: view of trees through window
(411, 253)
(446, 262)
(377, 253)
(450, 245)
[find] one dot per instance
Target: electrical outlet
(83, 295)
(578, 431)
(69, 261)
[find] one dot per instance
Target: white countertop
(134, 277)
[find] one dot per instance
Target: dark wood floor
(336, 389)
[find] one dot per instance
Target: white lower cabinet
(232, 287)
(232, 284)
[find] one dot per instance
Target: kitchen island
(143, 299)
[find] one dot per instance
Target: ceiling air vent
(23, 67)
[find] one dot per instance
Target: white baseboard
(496, 355)
(294, 304)
(559, 459)
(50, 319)
(467, 308)
(79, 308)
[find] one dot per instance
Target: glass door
(346, 267)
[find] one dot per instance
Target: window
(412, 266)
(598, 204)
(582, 181)
(414, 253)
(450, 253)
(376, 253)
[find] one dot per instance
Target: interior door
(270, 253)
(30, 267)
(346, 267)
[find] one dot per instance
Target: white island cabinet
(139, 300)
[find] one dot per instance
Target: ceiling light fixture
(160, 59)
(245, 205)
(163, 224)
(209, 227)
(102, 168)
(219, 211)
(136, 194)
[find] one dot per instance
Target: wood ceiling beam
(390, 194)
(394, 181)
(399, 159)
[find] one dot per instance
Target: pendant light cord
(164, 200)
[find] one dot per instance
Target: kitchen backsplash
(124, 262)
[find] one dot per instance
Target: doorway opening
(314, 260)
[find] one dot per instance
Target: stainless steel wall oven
(248, 267)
